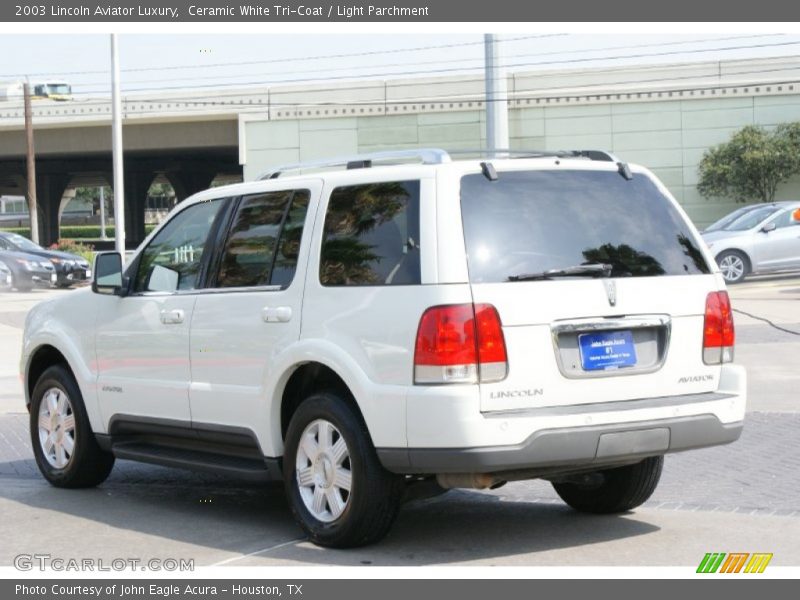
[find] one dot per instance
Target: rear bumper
(449, 434)
(570, 447)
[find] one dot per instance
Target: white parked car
(756, 239)
(409, 320)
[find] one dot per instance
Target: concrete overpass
(188, 144)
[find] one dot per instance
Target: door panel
(232, 342)
(778, 249)
(143, 361)
(143, 339)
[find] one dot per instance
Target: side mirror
(796, 216)
(769, 227)
(108, 274)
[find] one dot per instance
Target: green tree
(751, 164)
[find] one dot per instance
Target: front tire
(64, 445)
(734, 266)
(338, 491)
(613, 490)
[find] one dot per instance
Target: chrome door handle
(172, 317)
(276, 314)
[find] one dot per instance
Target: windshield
(750, 219)
(22, 243)
(534, 221)
(729, 218)
(58, 89)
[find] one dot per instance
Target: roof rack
(432, 156)
(501, 153)
(426, 156)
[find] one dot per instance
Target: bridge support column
(137, 184)
(50, 189)
(190, 180)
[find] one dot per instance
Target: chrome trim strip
(604, 407)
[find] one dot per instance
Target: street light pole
(116, 150)
(496, 98)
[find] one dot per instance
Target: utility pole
(33, 209)
(102, 213)
(496, 98)
(116, 150)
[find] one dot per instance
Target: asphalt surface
(741, 497)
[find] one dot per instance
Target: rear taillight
(718, 334)
(460, 343)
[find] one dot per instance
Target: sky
(188, 61)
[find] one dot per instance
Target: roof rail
(427, 156)
(501, 153)
(595, 155)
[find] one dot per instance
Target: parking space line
(262, 551)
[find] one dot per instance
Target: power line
(478, 59)
(287, 60)
(447, 71)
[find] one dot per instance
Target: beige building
(663, 117)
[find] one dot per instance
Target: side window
(786, 219)
(371, 235)
(264, 240)
(172, 259)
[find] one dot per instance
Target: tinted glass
(172, 259)
(534, 221)
(264, 240)
(372, 235)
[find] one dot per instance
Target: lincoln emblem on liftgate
(611, 291)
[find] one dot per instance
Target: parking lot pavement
(745, 496)
(767, 318)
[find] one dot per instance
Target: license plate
(53, 277)
(607, 350)
(88, 274)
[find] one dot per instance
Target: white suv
(409, 320)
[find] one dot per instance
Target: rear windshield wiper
(591, 269)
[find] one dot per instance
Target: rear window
(534, 221)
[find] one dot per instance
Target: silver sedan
(759, 238)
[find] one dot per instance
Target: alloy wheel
(323, 470)
(732, 267)
(57, 428)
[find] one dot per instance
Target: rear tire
(734, 266)
(619, 490)
(338, 491)
(64, 445)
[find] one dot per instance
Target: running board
(249, 469)
(231, 451)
